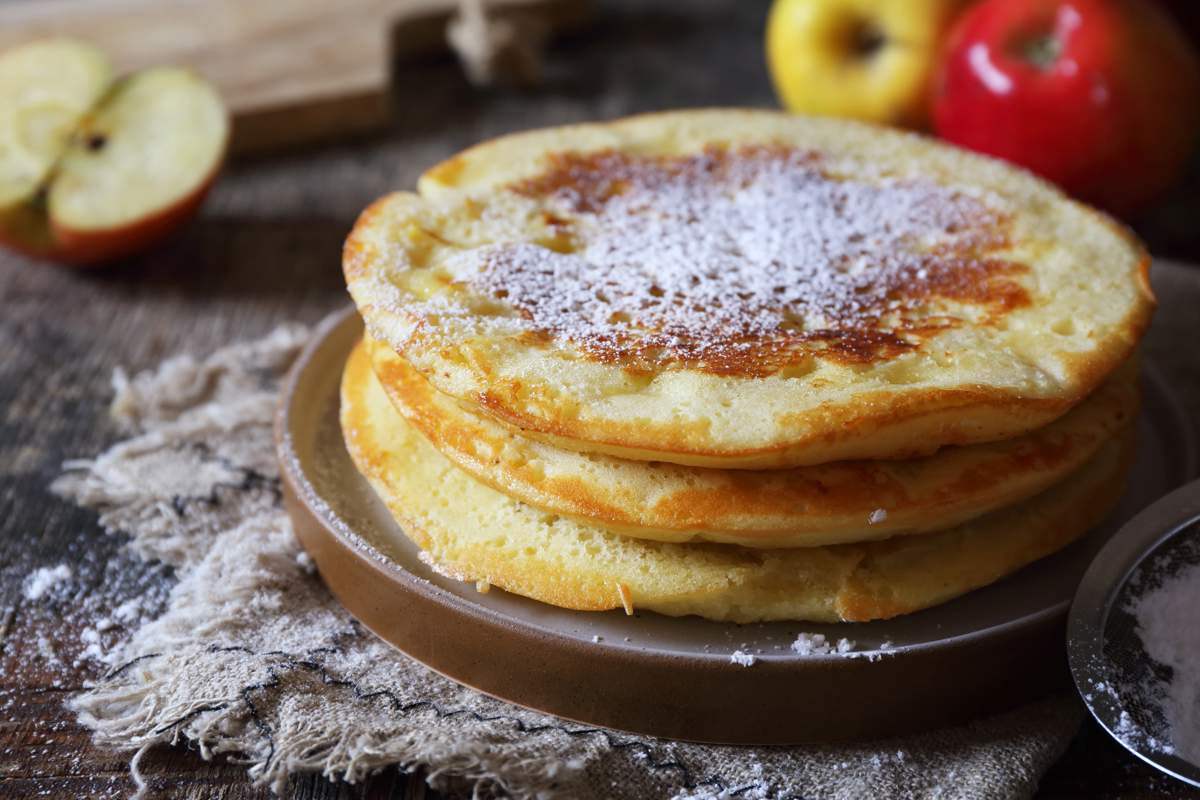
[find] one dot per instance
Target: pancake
(798, 507)
(479, 534)
(748, 289)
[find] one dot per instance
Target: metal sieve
(1108, 661)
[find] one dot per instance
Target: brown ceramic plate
(673, 677)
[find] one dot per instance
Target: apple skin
(33, 235)
(1100, 96)
(872, 60)
(91, 247)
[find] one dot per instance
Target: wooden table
(267, 250)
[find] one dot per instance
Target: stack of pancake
(742, 365)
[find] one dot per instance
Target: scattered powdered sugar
(1166, 623)
(74, 616)
(1129, 731)
(93, 649)
(306, 563)
(130, 611)
(742, 658)
(705, 258)
(46, 580)
(812, 644)
(817, 644)
(48, 652)
(809, 644)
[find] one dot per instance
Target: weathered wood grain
(291, 71)
(267, 250)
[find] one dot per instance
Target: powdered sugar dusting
(719, 258)
(1167, 627)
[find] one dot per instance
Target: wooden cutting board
(291, 71)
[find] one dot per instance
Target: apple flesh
(47, 88)
(108, 168)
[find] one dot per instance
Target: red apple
(1099, 96)
(92, 169)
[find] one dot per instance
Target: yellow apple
(866, 59)
(92, 169)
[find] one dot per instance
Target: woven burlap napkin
(253, 657)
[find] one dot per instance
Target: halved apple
(91, 170)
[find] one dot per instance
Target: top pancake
(747, 289)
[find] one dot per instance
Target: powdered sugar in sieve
(1134, 635)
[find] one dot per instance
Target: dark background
(266, 250)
